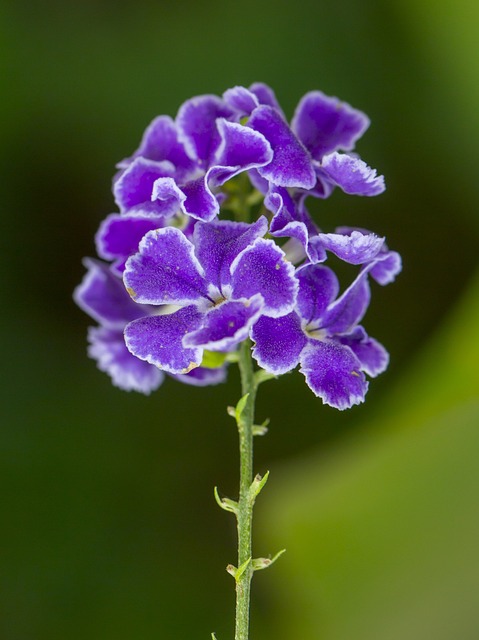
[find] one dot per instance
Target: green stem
(246, 496)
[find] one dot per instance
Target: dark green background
(109, 528)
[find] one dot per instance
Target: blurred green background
(109, 527)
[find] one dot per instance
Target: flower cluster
(213, 244)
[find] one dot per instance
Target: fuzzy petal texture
(262, 268)
(160, 142)
(278, 343)
(318, 287)
(165, 270)
(333, 373)
(325, 124)
(119, 235)
(159, 340)
(386, 267)
(102, 296)
(197, 131)
(241, 100)
(349, 309)
(241, 149)
(372, 355)
(266, 95)
(356, 248)
(133, 189)
(291, 165)
(200, 203)
(219, 242)
(203, 377)
(107, 347)
(353, 175)
(226, 325)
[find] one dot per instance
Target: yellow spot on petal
(190, 367)
(131, 292)
(355, 373)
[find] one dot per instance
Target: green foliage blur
(110, 529)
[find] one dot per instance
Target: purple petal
(218, 243)
(103, 296)
(127, 372)
(386, 267)
(265, 95)
(168, 197)
(158, 340)
(119, 235)
(263, 268)
(325, 124)
(196, 121)
(259, 183)
(241, 149)
(160, 142)
(345, 313)
(279, 342)
(372, 355)
(203, 377)
(353, 175)
(291, 165)
(356, 248)
(318, 287)
(200, 203)
(134, 187)
(226, 325)
(165, 271)
(240, 100)
(333, 373)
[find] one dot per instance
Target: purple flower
(323, 335)
(305, 154)
(103, 297)
(223, 280)
(181, 164)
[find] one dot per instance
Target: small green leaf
(261, 429)
(258, 483)
(226, 503)
(213, 359)
(240, 407)
(264, 563)
(241, 569)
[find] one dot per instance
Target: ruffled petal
(197, 131)
(291, 165)
(159, 340)
(226, 325)
(325, 124)
(265, 95)
(355, 248)
(278, 343)
(218, 243)
(344, 313)
(318, 287)
(203, 377)
(386, 267)
(107, 347)
(241, 100)
(333, 373)
(353, 175)
(103, 297)
(371, 354)
(241, 149)
(160, 142)
(262, 268)
(165, 271)
(119, 235)
(200, 203)
(133, 189)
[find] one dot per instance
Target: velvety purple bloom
(103, 297)
(305, 154)
(223, 280)
(204, 148)
(323, 335)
